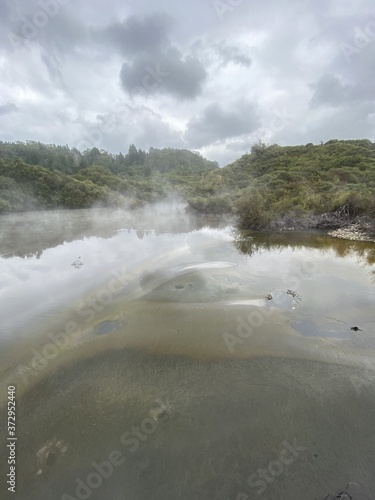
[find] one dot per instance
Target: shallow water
(192, 354)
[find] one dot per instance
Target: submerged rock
(49, 454)
(353, 491)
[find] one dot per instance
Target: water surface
(192, 351)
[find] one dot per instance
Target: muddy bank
(359, 230)
(340, 224)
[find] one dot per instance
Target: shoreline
(334, 224)
(354, 232)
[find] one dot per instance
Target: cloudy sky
(207, 75)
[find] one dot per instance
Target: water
(156, 356)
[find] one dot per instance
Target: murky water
(159, 357)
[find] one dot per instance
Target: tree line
(265, 183)
(35, 175)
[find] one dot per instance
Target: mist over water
(226, 344)
(38, 248)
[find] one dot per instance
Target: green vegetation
(35, 176)
(273, 182)
(269, 183)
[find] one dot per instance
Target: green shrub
(5, 206)
(219, 204)
(253, 213)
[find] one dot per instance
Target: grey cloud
(53, 65)
(155, 133)
(221, 54)
(293, 44)
(8, 108)
(362, 71)
(141, 126)
(330, 90)
(138, 35)
(217, 123)
(239, 146)
(353, 59)
(153, 65)
(60, 29)
(65, 32)
(232, 53)
(165, 73)
(343, 123)
(4, 9)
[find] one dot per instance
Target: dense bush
(274, 181)
(211, 205)
(253, 210)
(26, 187)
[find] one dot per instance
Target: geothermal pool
(158, 356)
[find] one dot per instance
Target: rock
(51, 458)
(48, 455)
(339, 224)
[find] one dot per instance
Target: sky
(213, 76)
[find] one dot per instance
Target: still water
(159, 357)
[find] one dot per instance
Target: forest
(267, 182)
(37, 176)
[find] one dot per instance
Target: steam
(38, 249)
